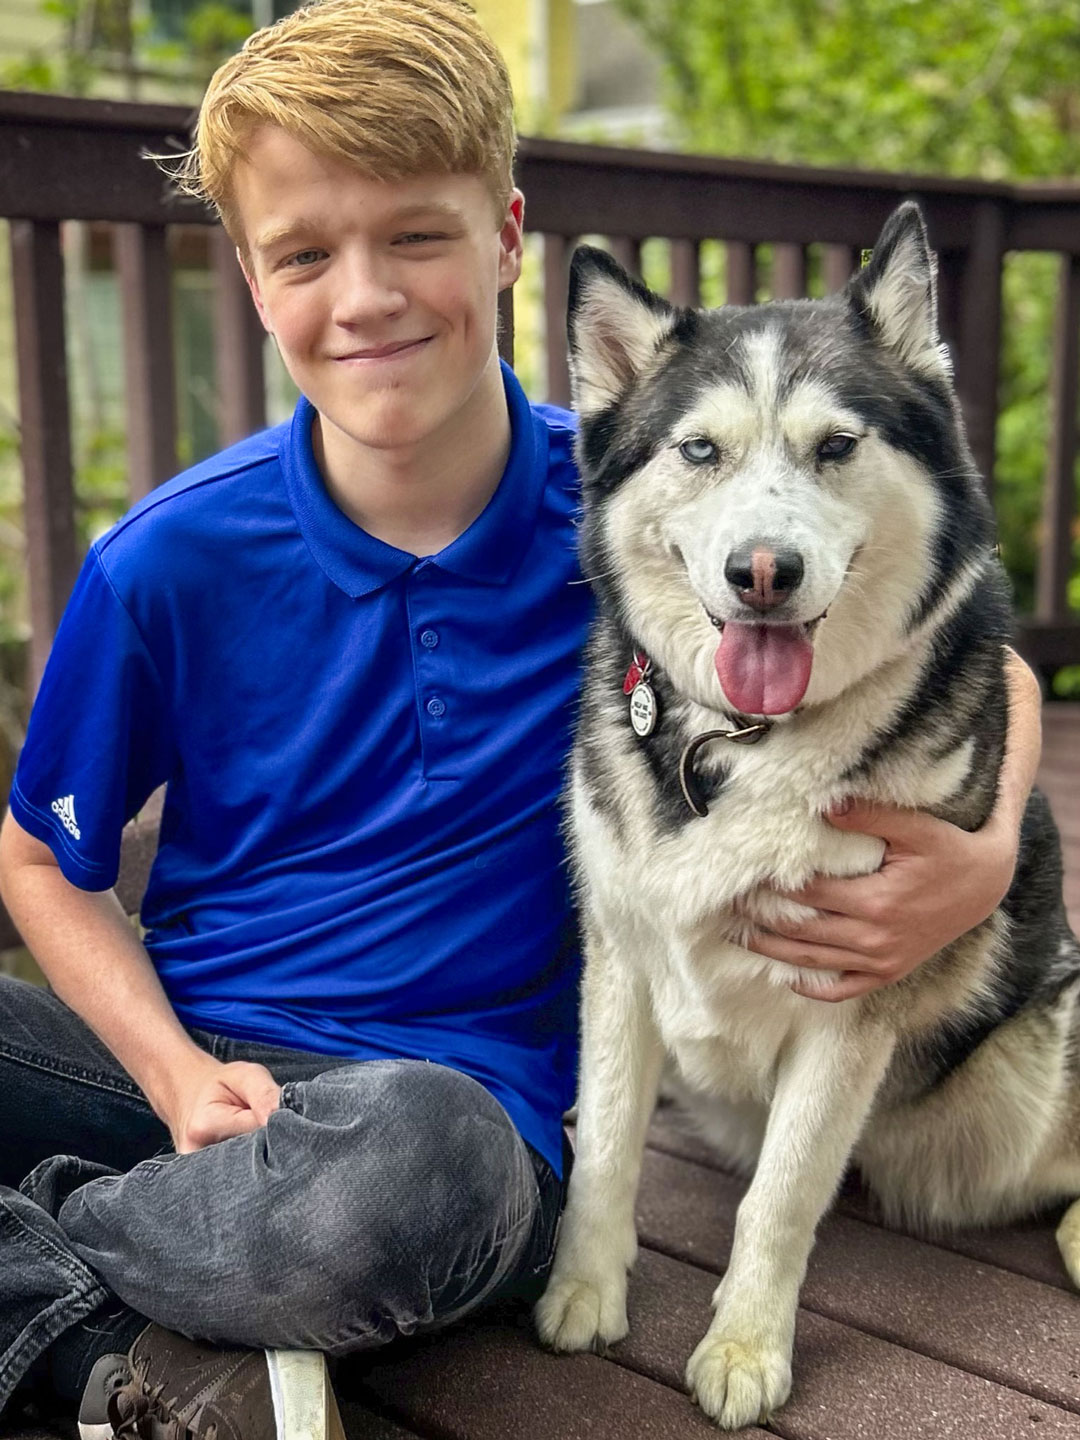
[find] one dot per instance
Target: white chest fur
(677, 904)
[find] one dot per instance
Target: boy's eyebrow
(279, 233)
(426, 207)
(301, 229)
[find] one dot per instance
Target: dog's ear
(614, 324)
(897, 292)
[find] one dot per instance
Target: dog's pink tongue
(764, 669)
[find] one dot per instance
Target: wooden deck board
(488, 1380)
(887, 1284)
(848, 1385)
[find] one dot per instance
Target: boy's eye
(303, 258)
(418, 237)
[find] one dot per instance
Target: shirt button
(436, 707)
(429, 639)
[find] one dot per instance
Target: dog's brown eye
(698, 450)
(837, 447)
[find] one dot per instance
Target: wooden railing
(66, 159)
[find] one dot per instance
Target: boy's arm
(935, 882)
(96, 964)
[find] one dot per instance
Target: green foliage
(985, 87)
(211, 33)
(968, 87)
(102, 38)
(101, 482)
(69, 72)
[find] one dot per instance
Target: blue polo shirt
(360, 849)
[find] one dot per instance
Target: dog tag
(643, 710)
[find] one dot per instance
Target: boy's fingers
(842, 932)
(902, 829)
(851, 895)
(813, 956)
(255, 1088)
(848, 987)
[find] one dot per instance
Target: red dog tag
(636, 672)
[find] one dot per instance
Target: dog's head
(793, 474)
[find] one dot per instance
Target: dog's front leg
(741, 1371)
(584, 1306)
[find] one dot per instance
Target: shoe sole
(305, 1407)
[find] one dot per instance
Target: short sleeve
(100, 737)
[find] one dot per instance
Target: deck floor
(973, 1338)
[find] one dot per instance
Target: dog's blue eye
(698, 451)
(837, 447)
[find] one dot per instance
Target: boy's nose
(367, 290)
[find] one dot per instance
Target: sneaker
(172, 1388)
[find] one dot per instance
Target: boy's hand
(936, 881)
(219, 1101)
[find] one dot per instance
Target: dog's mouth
(764, 669)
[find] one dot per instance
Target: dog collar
(645, 714)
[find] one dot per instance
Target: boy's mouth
(391, 351)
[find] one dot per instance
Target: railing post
(838, 264)
(506, 325)
(980, 335)
(627, 252)
(1059, 494)
(142, 265)
(788, 272)
(44, 429)
(741, 264)
(950, 278)
(685, 273)
(241, 380)
(556, 271)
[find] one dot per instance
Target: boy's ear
(615, 325)
(897, 292)
(510, 240)
(248, 272)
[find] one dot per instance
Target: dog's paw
(738, 1382)
(582, 1313)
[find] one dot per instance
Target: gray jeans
(381, 1199)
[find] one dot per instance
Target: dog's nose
(762, 576)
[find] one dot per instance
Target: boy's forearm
(1023, 746)
(96, 964)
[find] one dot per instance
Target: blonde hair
(395, 88)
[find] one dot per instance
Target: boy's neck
(420, 498)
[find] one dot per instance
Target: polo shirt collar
(488, 552)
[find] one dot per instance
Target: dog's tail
(1068, 1239)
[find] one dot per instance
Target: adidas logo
(65, 808)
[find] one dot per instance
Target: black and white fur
(970, 1066)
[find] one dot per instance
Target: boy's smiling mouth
(390, 351)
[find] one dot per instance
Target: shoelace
(133, 1408)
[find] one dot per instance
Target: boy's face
(381, 294)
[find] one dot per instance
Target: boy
(350, 647)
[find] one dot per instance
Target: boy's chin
(383, 422)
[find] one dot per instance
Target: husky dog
(794, 563)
